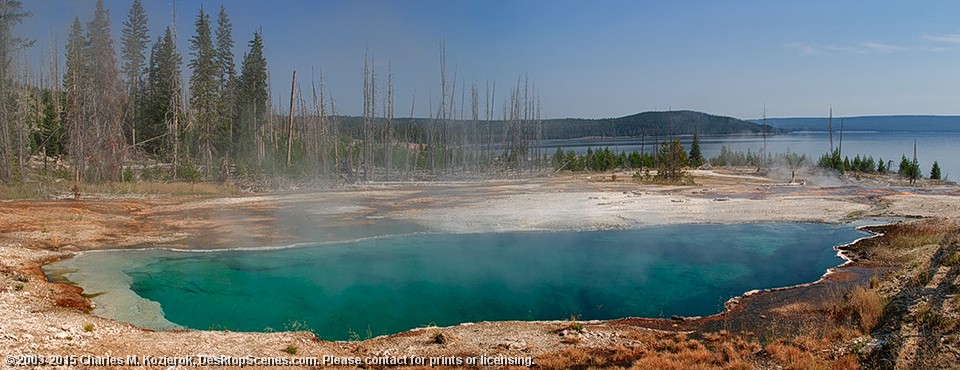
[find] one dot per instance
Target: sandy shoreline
(40, 316)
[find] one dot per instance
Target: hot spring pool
(393, 284)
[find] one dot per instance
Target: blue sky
(596, 58)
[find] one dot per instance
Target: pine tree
(696, 156)
(935, 171)
(49, 135)
(162, 87)
(204, 89)
(74, 80)
(227, 79)
(252, 102)
(10, 15)
(670, 160)
(133, 47)
(105, 96)
(558, 159)
(904, 169)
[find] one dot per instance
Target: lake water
(393, 284)
(943, 147)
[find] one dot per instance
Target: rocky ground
(765, 330)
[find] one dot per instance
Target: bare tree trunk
(389, 134)
(475, 117)
(830, 129)
(431, 136)
(643, 142)
(293, 90)
(320, 133)
(491, 98)
(334, 131)
(915, 167)
(442, 113)
(175, 126)
(175, 130)
(410, 148)
(539, 136)
(763, 157)
(369, 113)
(517, 129)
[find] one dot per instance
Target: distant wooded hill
(869, 123)
(646, 123)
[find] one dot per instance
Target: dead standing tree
(442, 109)
(106, 97)
(475, 120)
(321, 132)
(518, 147)
(175, 102)
(389, 135)
(293, 91)
(369, 114)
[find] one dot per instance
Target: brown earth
(808, 326)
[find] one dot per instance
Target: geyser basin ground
(392, 284)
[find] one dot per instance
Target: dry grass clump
(861, 306)
(589, 357)
(918, 234)
(811, 343)
(720, 350)
(934, 320)
(868, 307)
(665, 363)
(716, 351)
(842, 334)
(716, 337)
(846, 362)
(438, 338)
(795, 308)
(790, 356)
(923, 276)
(952, 259)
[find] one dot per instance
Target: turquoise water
(388, 285)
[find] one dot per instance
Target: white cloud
(952, 38)
(866, 47)
(844, 49)
(802, 47)
(883, 48)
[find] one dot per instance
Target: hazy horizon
(591, 59)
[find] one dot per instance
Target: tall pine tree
(696, 156)
(228, 80)
(133, 47)
(11, 14)
(252, 104)
(162, 86)
(105, 98)
(74, 83)
(204, 90)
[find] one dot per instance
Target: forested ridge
(654, 123)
